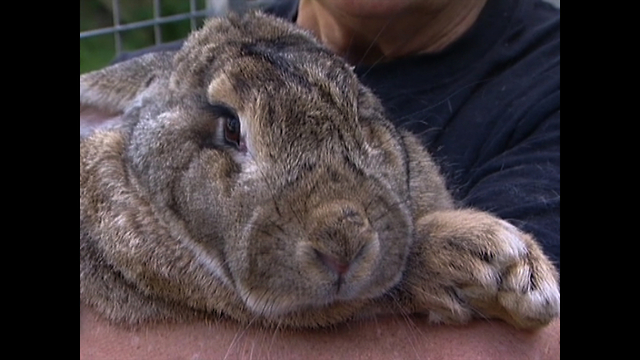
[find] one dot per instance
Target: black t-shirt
(488, 109)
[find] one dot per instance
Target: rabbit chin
(274, 305)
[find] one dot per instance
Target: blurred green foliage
(98, 51)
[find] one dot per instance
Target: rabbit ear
(106, 93)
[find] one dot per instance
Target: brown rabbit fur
(250, 175)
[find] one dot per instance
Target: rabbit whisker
(240, 333)
(275, 333)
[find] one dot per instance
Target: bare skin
(363, 31)
(369, 31)
(382, 338)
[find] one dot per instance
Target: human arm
(381, 338)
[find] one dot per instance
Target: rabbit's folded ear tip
(105, 94)
(92, 119)
(96, 111)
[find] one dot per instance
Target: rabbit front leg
(468, 264)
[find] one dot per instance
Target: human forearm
(382, 338)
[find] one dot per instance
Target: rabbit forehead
(304, 76)
(317, 103)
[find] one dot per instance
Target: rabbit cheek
(263, 266)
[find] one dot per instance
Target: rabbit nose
(340, 235)
(338, 265)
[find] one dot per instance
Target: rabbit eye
(232, 130)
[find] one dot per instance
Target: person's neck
(382, 34)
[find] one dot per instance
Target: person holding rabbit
(316, 210)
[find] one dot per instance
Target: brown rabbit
(250, 175)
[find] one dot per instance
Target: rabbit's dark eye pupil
(232, 131)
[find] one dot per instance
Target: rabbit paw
(470, 264)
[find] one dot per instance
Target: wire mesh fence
(110, 27)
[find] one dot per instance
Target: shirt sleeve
(522, 184)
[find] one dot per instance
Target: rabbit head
(249, 174)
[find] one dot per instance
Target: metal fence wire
(196, 12)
